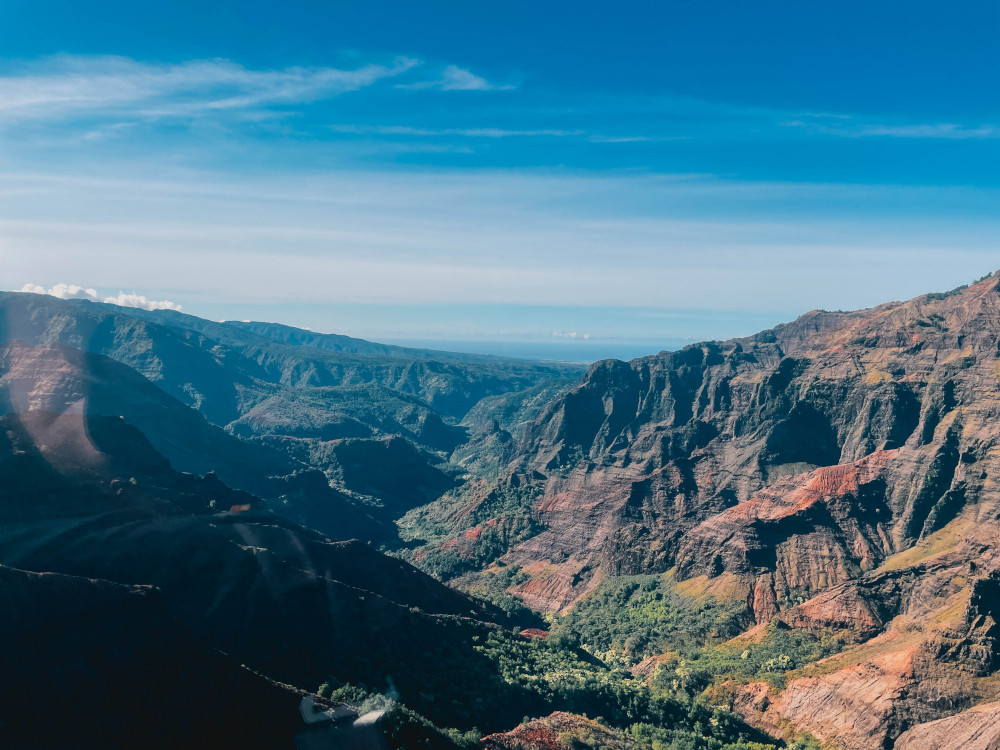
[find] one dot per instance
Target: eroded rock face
(797, 459)
(852, 707)
(975, 729)
(838, 472)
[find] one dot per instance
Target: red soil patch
(533, 633)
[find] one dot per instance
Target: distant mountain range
(799, 527)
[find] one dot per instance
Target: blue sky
(602, 179)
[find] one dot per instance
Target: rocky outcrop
(559, 731)
(803, 533)
(796, 459)
(853, 707)
(839, 473)
(975, 729)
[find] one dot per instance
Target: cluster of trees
(628, 618)
(659, 738)
(494, 678)
(780, 650)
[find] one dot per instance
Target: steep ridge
(828, 486)
(449, 382)
(223, 370)
(339, 343)
(62, 380)
(975, 729)
(290, 393)
(264, 591)
(899, 398)
(335, 413)
(837, 473)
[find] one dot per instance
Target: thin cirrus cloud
(123, 299)
(463, 132)
(406, 130)
(944, 131)
(454, 78)
(69, 86)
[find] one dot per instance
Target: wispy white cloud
(948, 130)
(407, 130)
(454, 78)
(499, 236)
(636, 138)
(69, 85)
(464, 132)
(571, 335)
(122, 299)
(943, 130)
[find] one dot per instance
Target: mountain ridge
(800, 524)
(781, 472)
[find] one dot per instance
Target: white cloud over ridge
(72, 291)
(141, 301)
(63, 291)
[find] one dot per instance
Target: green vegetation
(780, 650)
(492, 679)
(659, 738)
(493, 586)
(952, 292)
(631, 617)
(407, 730)
(502, 519)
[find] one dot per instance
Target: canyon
(831, 483)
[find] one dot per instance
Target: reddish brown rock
(840, 472)
(801, 457)
(533, 634)
(852, 708)
(559, 731)
(975, 729)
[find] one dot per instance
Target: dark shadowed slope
(93, 664)
(88, 496)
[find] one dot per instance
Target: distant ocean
(563, 351)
